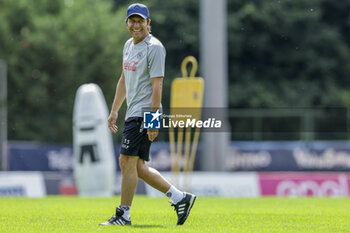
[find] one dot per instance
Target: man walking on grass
(141, 85)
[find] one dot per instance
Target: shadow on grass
(147, 226)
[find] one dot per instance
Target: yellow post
(186, 99)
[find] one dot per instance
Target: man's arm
(119, 98)
(157, 87)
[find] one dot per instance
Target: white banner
(240, 184)
(27, 184)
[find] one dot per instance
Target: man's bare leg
(152, 177)
(128, 165)
(182, 202)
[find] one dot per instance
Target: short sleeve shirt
(141, 62)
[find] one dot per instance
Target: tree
(290, 53)
(285, 54)
(51, 48)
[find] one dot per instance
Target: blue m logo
(151, 120)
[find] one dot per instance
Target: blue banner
(241, 156)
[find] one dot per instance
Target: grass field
(73, 214)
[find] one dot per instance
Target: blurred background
(286, 74)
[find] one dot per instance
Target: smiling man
(141, 85)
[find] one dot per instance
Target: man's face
(137, 27)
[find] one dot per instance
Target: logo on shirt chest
(130, 65)
(139, 55)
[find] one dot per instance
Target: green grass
(74, 214)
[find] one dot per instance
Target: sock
(174, 194)
(126, 209)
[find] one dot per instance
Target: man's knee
(127, 162)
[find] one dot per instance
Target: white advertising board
(240, 184)
(24, 184)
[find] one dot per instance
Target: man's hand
(112, 119)
(152, 134)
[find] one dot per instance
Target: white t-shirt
(141, 62)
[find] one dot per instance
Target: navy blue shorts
(135, 140)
